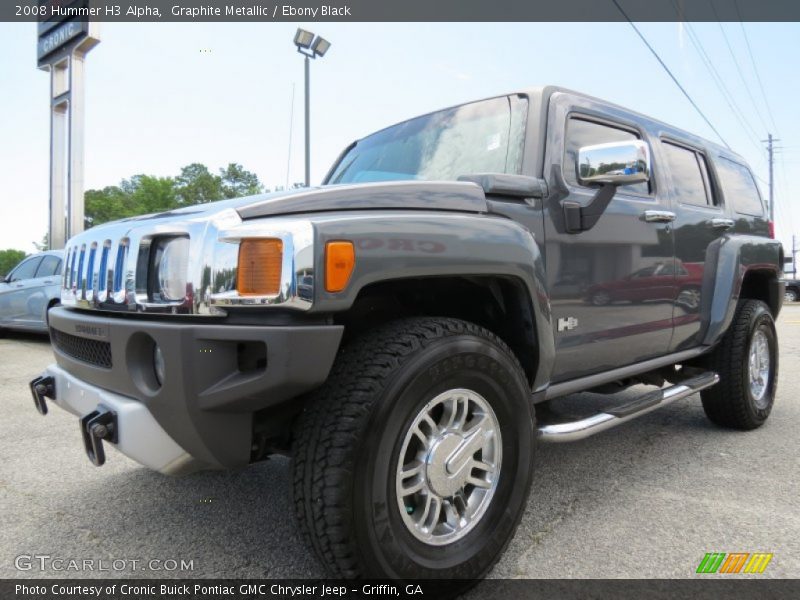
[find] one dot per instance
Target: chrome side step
(578, 430)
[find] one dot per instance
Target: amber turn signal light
(259, 271)
(340, 258)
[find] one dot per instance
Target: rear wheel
(414, 459)
(689, 299)
(747, 362)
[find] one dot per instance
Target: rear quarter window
(739, 188)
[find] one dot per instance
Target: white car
(30, 290)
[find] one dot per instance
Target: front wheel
(747, 362)
(600, 298)
(790, 295)
(414, 459)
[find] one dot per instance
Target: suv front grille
(86, 350)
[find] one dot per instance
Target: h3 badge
(567, 323)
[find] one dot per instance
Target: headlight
(172, 265)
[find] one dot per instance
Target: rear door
(44, 287)
(611, 319)
(701, 220)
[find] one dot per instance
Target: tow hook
(98, 425)
(41, 388)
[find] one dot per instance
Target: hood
(409, 195)
(415, 195)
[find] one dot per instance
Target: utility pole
(771, 151)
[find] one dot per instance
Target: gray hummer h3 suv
(398, 329)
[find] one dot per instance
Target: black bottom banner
(505, 589)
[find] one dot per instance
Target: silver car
(30, 290)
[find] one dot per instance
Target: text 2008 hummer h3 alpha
(397, 329)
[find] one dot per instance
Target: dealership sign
(64, 36)
(63, 25)
(60, 36)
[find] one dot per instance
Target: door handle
(659, 216)
(48, 281)
(19, 285)
(721, 223)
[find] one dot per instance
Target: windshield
(481, 137)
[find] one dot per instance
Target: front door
(612, 286)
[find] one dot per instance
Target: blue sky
(156, 101)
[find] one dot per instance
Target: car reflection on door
(663, 281)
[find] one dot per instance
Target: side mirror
(617, 163)
(606, 167)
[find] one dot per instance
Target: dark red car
(673, 281)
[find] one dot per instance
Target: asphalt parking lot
(646, 500)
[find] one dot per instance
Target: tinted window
(482, 137)
(51, 265)
(740, 188)
(646, 272)
(689, 175)
(26, 269)
(582, 133)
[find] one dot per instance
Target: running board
(578, 430)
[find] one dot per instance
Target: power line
(738, 68)
(718, 79)
(755, 68)
(674, 79)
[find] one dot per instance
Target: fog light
(158, 364)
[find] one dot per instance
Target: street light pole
(310, 46)
(308, 122)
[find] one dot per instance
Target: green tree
(197, 185)
(9, 259)
(148, 194)
(144, 194)
(237, 181)
(139, 195)
(109, 204)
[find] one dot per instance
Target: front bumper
(140, 437)
(216, 376)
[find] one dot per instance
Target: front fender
(401, 245)
(728, 260)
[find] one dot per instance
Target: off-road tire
(349, 438)
(730, 403)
